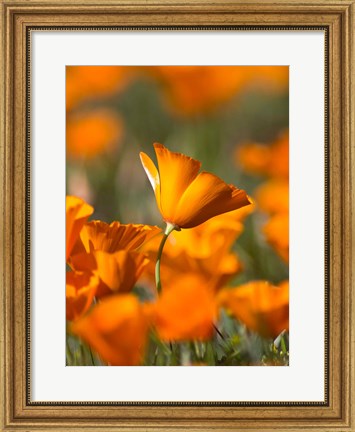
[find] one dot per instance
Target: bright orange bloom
(185, 311)
(77, 213)
(80, 292)
(262, 307)
(185, 197)
(91, 134)
(118, 271)
(98, 235)
(273, 196)
(269, 160)
(276, 231)
(116, 329)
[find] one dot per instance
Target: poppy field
(177, 216)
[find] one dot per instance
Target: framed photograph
(178, 203)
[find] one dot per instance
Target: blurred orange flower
(276, 231)
(77, 213)
(88, 82)
(269, 160)
(203, 251)
(80, 292)
(273, 196)
(192, 90)
(185, 197)
(185, 311)
(116, 329)
(90, 134)
(215, 269)
(262, 307)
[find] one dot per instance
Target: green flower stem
(169, 228)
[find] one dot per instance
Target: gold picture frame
(336, 19)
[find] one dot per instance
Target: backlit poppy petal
(98, 235)
(77, 213)
(118, 271)
(177, 172)
(153, 176)
(207, 196)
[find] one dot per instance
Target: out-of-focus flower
(80, 292)
(185, 311)
(116, 329)
(268, 160)
(261, 306)
(192, 90)
(89, 134)
(89, 82)
(273, 196)
(185, 197)
(216, 235)
(203, 251)
(215, 269)
(276, 231)
(77, 213)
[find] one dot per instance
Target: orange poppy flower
(276, 231)
(185, 311)
(118, 271)
(77, 213)
(116, 329)
(98, 235)
(185, 197)
(91, 134)
(262, 307)
(80, 292)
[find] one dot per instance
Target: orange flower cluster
(272, 197)
(107, 260)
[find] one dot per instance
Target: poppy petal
(206, 197)
(153, 176)
(177, 172)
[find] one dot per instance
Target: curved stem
(169, 228)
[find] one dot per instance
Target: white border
(303, 380)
